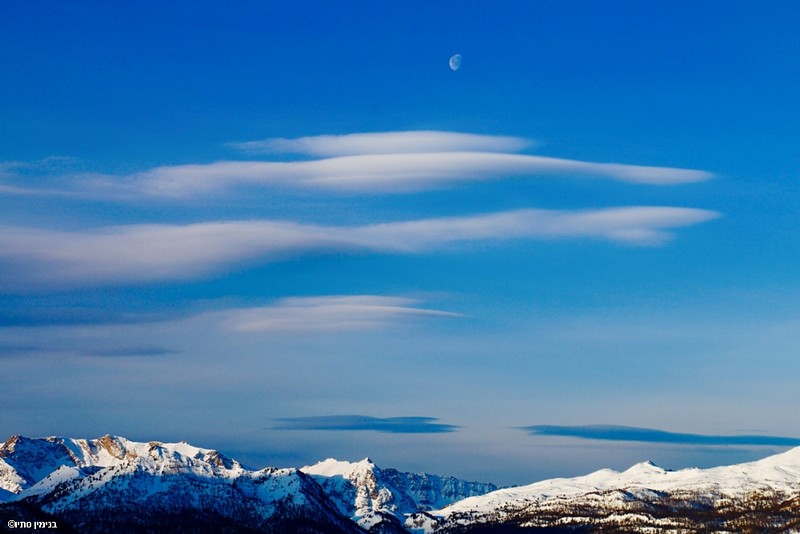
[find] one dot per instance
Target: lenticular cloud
(387, 163)
(34, 259)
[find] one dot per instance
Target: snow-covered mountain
(113, 484)
(371, 495)
(762, 496)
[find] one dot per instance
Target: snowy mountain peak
(790, 457)
(644, 468)
(332, 467)
(27, 461)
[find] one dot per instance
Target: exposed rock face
(371, 495)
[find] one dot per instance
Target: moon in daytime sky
(455, 61)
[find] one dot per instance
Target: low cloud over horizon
(649, 435)
(390, 425)
(332, 313)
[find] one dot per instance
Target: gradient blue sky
(193, 245)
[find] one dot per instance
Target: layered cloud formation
(42, 259)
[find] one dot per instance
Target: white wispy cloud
(32, 259)
(417, 141)
(333, 313)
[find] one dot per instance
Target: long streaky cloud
(334, 313)
(417, 141)
(380, 173)
(32, 259)
(649, 435)
(391, 425)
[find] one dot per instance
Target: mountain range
(112, 484)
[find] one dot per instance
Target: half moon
(455, 62)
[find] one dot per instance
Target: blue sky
(290, 231)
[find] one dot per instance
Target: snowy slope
(643, 496)
(779, 473)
